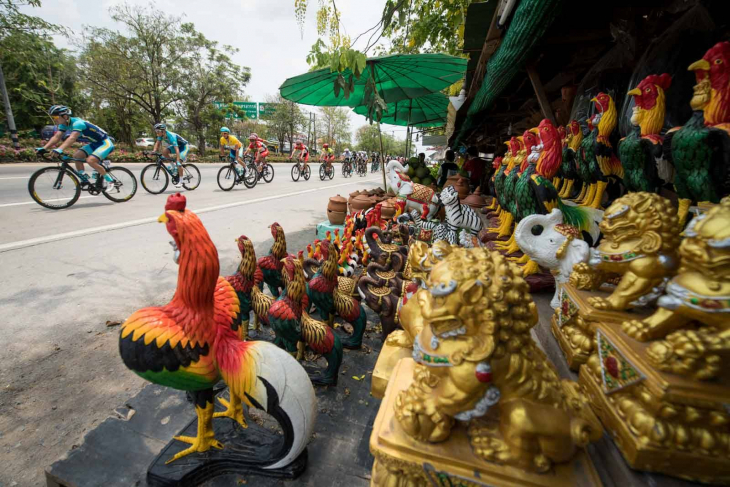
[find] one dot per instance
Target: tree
(368, 139)
(335, 127)
(38, 75)
(211, 76)
(286, 120)
(148, 66)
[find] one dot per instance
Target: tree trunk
(201, 143)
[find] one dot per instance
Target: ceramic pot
(337, 203)
(361, 202)
(460, 183)
(336, 217)
(475, 200)
(387, 210)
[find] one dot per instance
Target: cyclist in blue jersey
(98, 143)
(174, 143)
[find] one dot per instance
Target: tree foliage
(286, 121)
(12, 20)
(333, 126)
(368, 139)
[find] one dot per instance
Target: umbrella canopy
(397, 77)
(426, 111)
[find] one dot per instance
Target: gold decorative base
(660, 422)
(574, 322)
(388, 358)
(401, 461)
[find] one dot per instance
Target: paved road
(67, 272)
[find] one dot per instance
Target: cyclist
(174, 142)
(98, 143)
(258, 146)
(347, 154)
(328, 155)
(303, 153)
(231, 143)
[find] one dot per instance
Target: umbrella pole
(382, 157)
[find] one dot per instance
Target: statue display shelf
(575, 320)
(661, 384)
(452, 462)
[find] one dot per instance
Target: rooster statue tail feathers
(268, 378)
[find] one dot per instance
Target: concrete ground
(71, 276)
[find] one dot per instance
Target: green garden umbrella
(425, 111)
(397, 77)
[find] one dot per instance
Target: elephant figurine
(552, 244)
(411, 195)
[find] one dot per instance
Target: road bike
(229, 176)
(267, 170)
(156, 176)
(347, 168)
(298, 170)
(326, 170)
(59, 187)
(361, 167)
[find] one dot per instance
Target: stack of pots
(460, 184)
(360, 200)
(337, 210)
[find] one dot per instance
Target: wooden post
(547, 110)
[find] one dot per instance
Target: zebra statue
(440, 230)
(457, 215)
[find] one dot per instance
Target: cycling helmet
(253, 136)
(325, 146)
(160, 126)
(58, 110)
(226, 130)
(347, 150)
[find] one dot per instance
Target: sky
(265, 32)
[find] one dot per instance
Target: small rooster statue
(574, 136)
(294, 327)
(584, 160)
(189, 345)
(271, 264)
(640, 150)
(329, 300)
(700, 150)
(247, 276)
(607, 163)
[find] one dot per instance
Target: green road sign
(249, 107)
(266, 109)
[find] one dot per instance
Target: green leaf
(337, 87)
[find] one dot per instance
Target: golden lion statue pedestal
(575, 321)
(401, 461)
(478, 403)
(661, 384)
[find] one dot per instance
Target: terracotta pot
(360, 202)
(337, 203)
(460, 183)
(475, 200)
(336, 217)
(387, 210)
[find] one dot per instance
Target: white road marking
(17, 177)
(21, 244)
(34, 203)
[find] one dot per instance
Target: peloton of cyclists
(98, 143)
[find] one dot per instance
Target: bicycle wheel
(124, 186)
(190, 176)
(331, 172)
(227, 177)
(54, 188)
(251, 175)
(295, 172)
(306, 173)
(322, 172)
(344, 169)
(154, 179)
(267, 172)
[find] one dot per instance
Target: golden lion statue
(640, 239)
(699, 292)
(478, 363)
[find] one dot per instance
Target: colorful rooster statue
(585, 159)
(574, 136)
(330, 301)
(294, 327)
(497, 165)
(607, 162)
(247, 276)
(510, 160)
(640, 150)
(559, 177)
(536, 194)
(700, 150)
(271, 264)
(189, 345)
